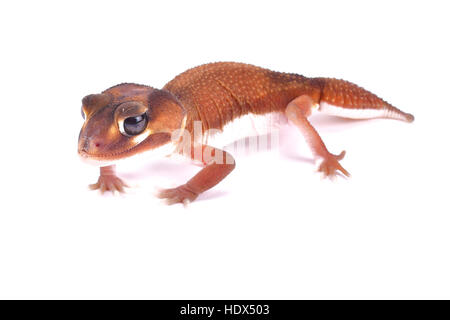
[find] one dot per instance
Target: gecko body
(223, 97)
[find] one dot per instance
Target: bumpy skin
(350, 96)
(215, 94)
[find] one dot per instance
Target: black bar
(226, 309)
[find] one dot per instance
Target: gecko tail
(345, 99)
(394, 113)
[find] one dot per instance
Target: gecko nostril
(95, 144)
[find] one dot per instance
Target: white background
(273, 228)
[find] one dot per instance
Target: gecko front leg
(218, 164)
(108, 180)
(297, 112)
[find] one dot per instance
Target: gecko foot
(109, 183)
(181, 194)
(330, 165)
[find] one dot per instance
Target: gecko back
(218, 93)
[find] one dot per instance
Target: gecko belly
(359, 113)
(248, 125)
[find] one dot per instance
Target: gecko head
(126, 120)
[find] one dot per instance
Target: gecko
(129, 119)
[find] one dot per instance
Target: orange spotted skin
(348, 95)
(217, 93)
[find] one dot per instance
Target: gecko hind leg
(297, 112)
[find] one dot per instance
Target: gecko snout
(93, 146)
(90, 146)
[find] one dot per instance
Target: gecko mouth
(109, 156)
(148, 145)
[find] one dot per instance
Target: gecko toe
(181, 194)
(330, 166)
(119, 186)
(94, 186)
(110, 186)
(340, 156)
(164, 193)
(172, 201)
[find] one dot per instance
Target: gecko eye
(135, 125)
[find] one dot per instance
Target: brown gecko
(128, 119)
